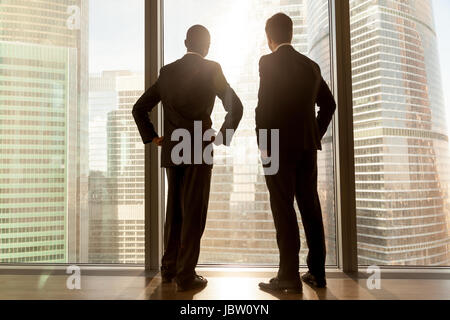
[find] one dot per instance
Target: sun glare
(237, 37)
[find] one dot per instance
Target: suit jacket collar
(284, 48)
(286, 44)
(193, 54)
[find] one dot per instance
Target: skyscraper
(102, 100)
(116, 201)
(43, 131)
(401, 138)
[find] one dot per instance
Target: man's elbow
(259, 117)
(238, 108)
(333, 106)
(135, 110)
(330, 104)
(240, 112)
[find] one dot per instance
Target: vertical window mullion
(154, 179)
(345, 163)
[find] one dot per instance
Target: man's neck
(282, 45)
(195, 53)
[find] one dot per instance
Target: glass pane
(71, 165)
(401, 133)
(116, 152)
(240, 227)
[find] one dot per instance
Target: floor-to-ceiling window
(116, 155)
(72, 162)
(401, 133)
(240, 227)
(71, 159)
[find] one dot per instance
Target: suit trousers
(187, 207)
(297, 178)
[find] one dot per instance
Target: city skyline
(174, 49)
(116, 193)
(72, 176)
(132, 54)
(240, 227)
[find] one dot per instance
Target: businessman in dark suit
(290, 87)
(187, 89)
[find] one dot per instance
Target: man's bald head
(198, 40)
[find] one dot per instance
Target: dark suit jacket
(187, 89)
(291, 86)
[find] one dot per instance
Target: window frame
(345, 203)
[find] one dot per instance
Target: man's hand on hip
(158, 141)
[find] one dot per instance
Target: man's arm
(264, 98)
(141, 109)
(327, 106)
(231, 103)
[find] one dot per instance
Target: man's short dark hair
(280, 28)
(197, 38)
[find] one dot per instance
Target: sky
(117, 35)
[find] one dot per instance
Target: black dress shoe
(276, 285)
(313, 281)
(167, 278)
(167, 274)
(197, 283)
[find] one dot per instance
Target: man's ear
(206, 52)
(270, 43)
(185, 43)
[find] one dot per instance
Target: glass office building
(43, 131)
(116, 194)
(401, 137)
